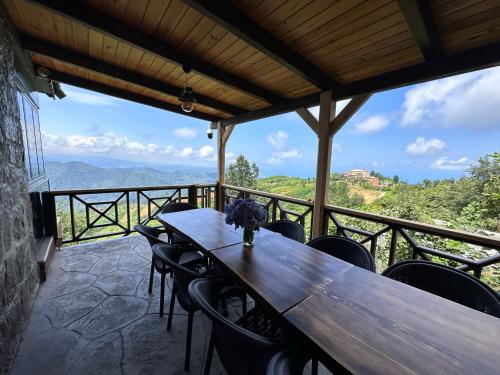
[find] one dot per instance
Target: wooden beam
(309, 119)
(227, 133)
(53, 51)
(91, 17)
(230, 18)
(419, 18)
(349, 110)
(277, 109)
(221, 164)
(127, 95)
(326, 115)
(473, 59)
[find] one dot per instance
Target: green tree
(242, 173)
(395, 179)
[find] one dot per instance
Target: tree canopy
(242, 173)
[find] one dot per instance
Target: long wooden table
(358, 320)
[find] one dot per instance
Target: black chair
(173, 237)
(288, 362)
(183, 275)
(288, 228)
(446, 282)
(187, 255)
(346, 249)
(245, 346)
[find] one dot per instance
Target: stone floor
(94, 316)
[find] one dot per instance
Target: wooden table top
(207, 228)
(374, 325)
(279, 271)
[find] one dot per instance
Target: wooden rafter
(347, 112)
(124, 94)
(239, 24)
(53, 51)
(309, 119)
(419, 18)
(84, 14)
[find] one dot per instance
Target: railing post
(394, 242)
(219, 197)
(193, 195)
(49, 214)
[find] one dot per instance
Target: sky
(432, 130)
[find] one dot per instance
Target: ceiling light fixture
(187, 100)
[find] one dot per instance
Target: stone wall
(18, 267)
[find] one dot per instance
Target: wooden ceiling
(254, 56)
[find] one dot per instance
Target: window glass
(30, 138)
(20, 101)
(38, 133)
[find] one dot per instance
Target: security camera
(210, 133)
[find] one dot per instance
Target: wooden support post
(193, 195)
(223, 134)
(326, 116)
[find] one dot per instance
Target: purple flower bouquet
(248, 214)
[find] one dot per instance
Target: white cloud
(421, 146)
(288, 154)
(337, 147)
(278, 140)
(274, 161)
(448, 164)
(340, 105)
(187, 133)
(90, 98)
(468, 100)
(371, 124)
(230, 157)
(110, 143)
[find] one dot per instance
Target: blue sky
(431, 130)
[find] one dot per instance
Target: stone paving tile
(93, 318)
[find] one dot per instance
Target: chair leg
(171, 309)
(188, 340)
(162, 292)
(151, 276)
(210, 352)
(314, 366)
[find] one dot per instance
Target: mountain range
(66, 175)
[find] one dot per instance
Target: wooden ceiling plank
(420, 20)
(50, 50)
(252, 33)
(95, 19)
(123, 94)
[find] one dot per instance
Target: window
(31, 137)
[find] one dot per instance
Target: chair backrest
(288, 228)
(151, 234)
(346, 249)
(240, 351)
(171, 255)
(177, 207)
(446, 282)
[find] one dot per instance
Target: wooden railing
(97, 213)
(382, 231)
(278, 207)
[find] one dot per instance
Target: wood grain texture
(278, 271)
(374, 325)
(207, 228)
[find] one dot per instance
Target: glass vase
(248, 237)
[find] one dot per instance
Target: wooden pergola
(254, 59)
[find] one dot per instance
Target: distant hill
(80, 175)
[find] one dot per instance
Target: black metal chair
(245, 346)
(288, 362)
(446, 282)
(187, 255)
(173, 237)
(346, 249)
(183, 275)
(288, 228)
